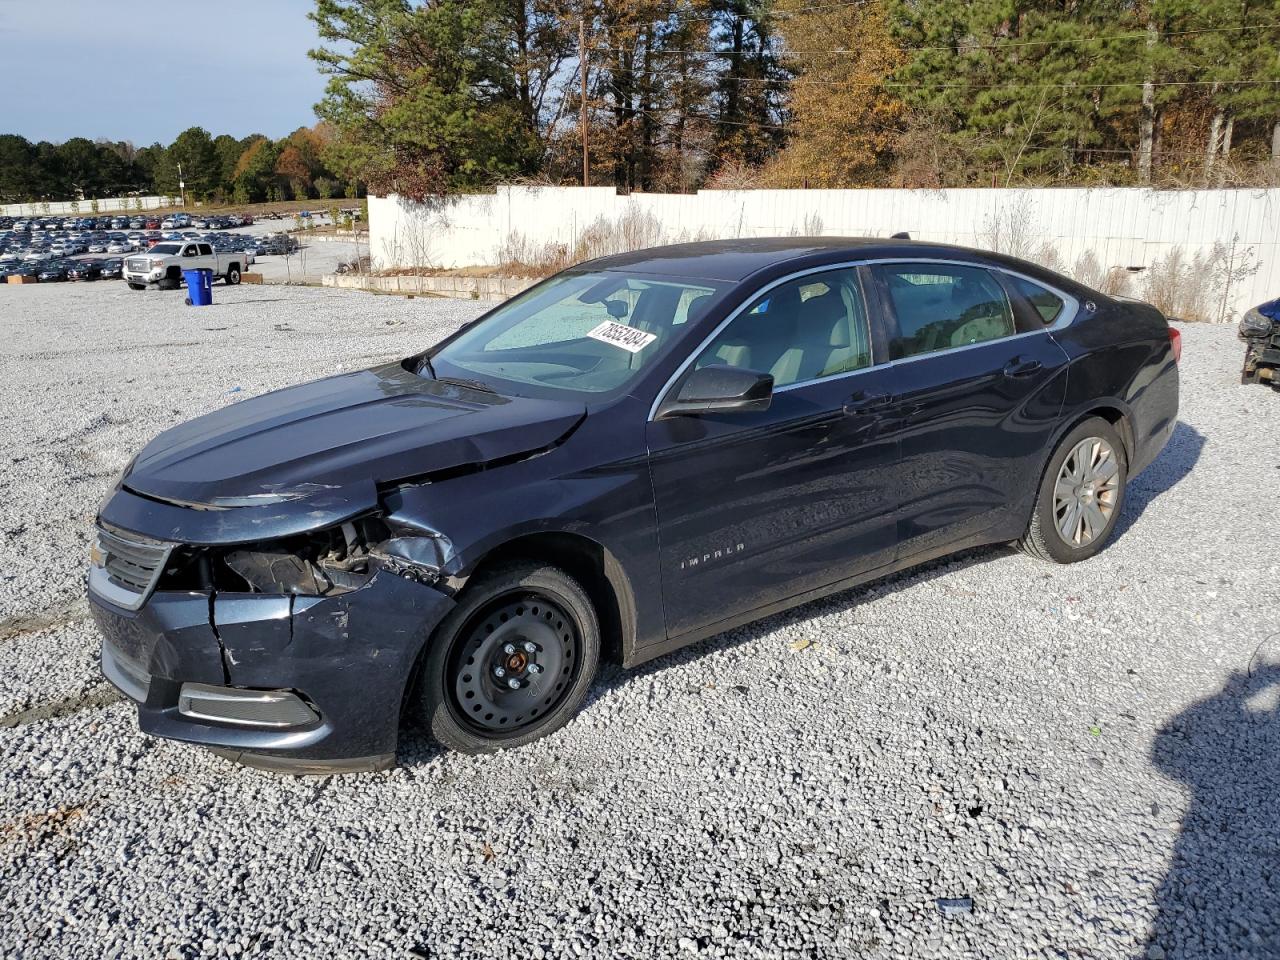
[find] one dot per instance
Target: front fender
(609, 504)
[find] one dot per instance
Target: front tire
(512, 662)
(1081, 495)
(137, 286)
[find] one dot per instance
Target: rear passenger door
(978, 387)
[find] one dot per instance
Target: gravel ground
(1088, 754)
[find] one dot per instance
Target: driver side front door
(760, 507)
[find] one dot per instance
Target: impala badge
(712, 556)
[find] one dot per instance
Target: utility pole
(182, 188)
(582, 116)
(1147, 114)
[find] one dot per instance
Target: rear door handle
(863, 402)
(1021, 367)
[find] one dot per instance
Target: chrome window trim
(1071, 307)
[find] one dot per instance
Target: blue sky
(99, 68)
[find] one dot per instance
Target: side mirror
(719, 389)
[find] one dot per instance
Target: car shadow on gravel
(1176, 460)
(1221, 896)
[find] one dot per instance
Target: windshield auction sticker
(620, 335)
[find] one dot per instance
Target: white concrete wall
(86, 208)
(1124, 228)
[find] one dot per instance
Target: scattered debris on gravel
(987, 757)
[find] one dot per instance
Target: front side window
(589, 332)
(941, 306)
(805, 329)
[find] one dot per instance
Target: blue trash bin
(199, 286)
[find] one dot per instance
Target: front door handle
(863, 402)
(1021, 367)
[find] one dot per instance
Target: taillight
(1175, 341)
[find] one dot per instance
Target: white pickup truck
(163, 264)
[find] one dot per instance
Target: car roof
(764, 259)
(735, 260)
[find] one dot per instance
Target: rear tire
(233, 276)
(1081, 495)
(512, 662)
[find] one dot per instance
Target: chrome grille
(136, 265)
(126, 566)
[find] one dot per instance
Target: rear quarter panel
(1120, 357)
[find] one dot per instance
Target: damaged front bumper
(309, 684)
(270, 675)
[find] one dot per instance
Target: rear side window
(205, 250)
(1046, 303)
(941, 306)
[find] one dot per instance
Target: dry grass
(635, 229)
(1198, 287)
(1113, 281)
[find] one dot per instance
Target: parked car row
(52, 271)
(50, 253)
(177, 221)
(278, 244)
(57, 245)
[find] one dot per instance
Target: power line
(1065, 85)
(780, 14)
(1197, 155)
(963, 47)
(696, 116)
(1074, 148)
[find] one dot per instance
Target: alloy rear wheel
(1086, 491)
(1081, 495)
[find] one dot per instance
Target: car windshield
(582, 332)
(166, 248)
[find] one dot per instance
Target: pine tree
(422, 98)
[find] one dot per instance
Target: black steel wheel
(512, 662)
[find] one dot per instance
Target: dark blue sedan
(637, 453)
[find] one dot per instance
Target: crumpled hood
(310, 441)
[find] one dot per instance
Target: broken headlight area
(322, 563)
